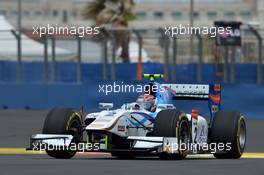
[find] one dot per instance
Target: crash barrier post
(79, 60)
(19, 47)
(19, 59)
(226, 56)
(200, 59)
(114, 48)
(259, 66)
(166, 45)
(232, 65)
(174, 57)
(53, 59)
(19, 69)
(104, 54)
(46, 64)
(139, 63)
(113, 69)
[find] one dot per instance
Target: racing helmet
(146, 101)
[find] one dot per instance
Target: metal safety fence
(149, 43)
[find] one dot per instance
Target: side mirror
(106, 106)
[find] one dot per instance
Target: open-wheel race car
(151, 125)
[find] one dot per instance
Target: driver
(147, 102)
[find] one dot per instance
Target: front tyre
(173, 123)
(229, 128)
(63, 121)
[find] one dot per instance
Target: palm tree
(117, 14)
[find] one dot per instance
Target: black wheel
(63, 121)
(229, 128)
(173, 123)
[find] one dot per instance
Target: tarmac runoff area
(16, 126)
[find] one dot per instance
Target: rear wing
(189, 91)
(210, 92)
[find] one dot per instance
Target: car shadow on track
(139, 159)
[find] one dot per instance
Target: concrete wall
(249, 99)
(66, 72)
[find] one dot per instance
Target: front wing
(40, 142)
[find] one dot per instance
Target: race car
(150, 126)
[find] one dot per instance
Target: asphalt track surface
(16, 126)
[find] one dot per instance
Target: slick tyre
(173, 123)
(63, 121)
(229, 128)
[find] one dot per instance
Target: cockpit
(148, 99)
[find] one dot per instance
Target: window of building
(13, 12)
(55, 13)
(196, 14)
(47, 13)
(65, 16)
(141, 14)
(176, 15)
(229, 14)
(2, 12)
(74, 14)
(25, 13)
(158, 14)
(212, 14)
(38, 13)
(245, 14)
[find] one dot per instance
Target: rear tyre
(173, 123)
(63, 121)
(229, 128)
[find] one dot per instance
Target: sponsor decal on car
(121, 128)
